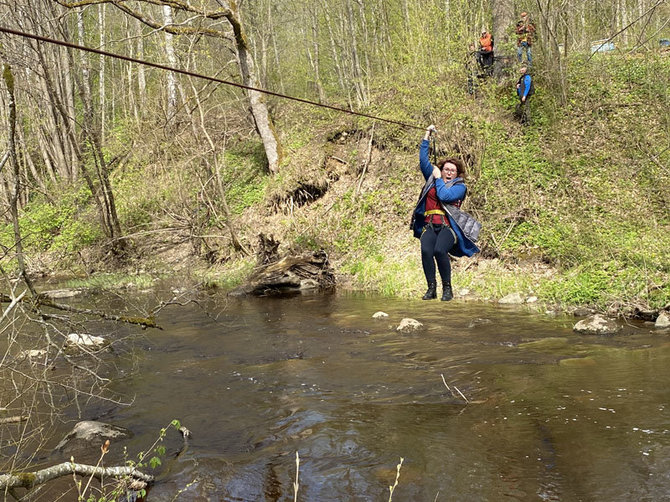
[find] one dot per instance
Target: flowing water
(550, 415)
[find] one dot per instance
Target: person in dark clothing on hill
(438, 232)
(486, 52)
(525, 88)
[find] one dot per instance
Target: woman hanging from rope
(432, 224)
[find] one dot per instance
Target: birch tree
(172, 61)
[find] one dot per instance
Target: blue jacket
(524, 86)
(452, 191)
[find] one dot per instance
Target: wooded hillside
(113, 165)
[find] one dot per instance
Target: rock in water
(597, 325)
(407, 325)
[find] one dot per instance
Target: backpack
(531, 91)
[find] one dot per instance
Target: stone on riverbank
(663, 320)
(379, 315)
(512, 299)
(597, 325)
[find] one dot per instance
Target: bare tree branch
(41, 301)
(32, 479)
(13, 420)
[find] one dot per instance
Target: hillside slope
(574, 207)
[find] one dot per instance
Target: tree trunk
(172, 61)
(102, 191)
(503, 20)
(101, 83)
(356, 71)
(315, 59)
(335, 53)
(16, 191)
(366, 50)
(259, 110)
(140, 102)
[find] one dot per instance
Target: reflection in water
(553, 415)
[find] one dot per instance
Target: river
(535, 411)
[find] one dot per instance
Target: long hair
(460, 167)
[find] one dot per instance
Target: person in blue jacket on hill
(438, 232)
(525, 88)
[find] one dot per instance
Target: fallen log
(290, 273)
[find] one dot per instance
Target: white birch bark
(101, 83)
(172, 61)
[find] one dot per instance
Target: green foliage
(241, 176)
(227, 276)
(385, 274)
(112, 281)
(62, 226)
(136, 203)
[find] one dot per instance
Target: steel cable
(197, 75)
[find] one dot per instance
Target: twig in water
(13, 420)
(452, 392)
(297, 472)
(397, 476)
(466, 399)
(103, 451)
(445, 384)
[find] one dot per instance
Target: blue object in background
(602, 46)
(664, 42)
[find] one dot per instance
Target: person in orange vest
(525, 31)
(486, 51)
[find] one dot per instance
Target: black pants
(486, 61)
(522, 112)
(436, 242)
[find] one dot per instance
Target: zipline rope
(197, 75)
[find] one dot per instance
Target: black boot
(431, 294)
(447, 294)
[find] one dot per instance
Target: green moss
(27, 479)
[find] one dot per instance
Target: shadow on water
(551, 415)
